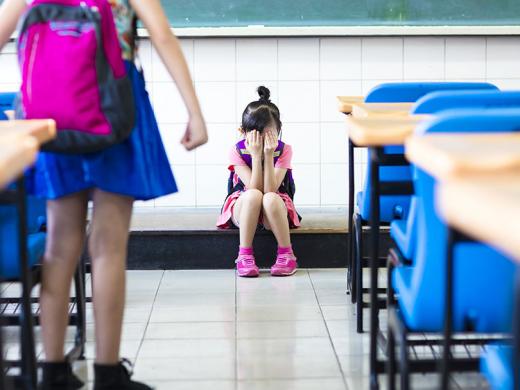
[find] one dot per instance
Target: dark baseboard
(172, 250)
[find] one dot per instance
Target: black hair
(261, 113)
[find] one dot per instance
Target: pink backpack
(73, 71)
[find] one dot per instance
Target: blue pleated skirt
(137, 167)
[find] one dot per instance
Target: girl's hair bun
(264, 94)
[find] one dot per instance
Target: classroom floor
(201, 330)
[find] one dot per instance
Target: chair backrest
(428, 279)
(413, 91)
(7, 100)
(403, 93)
(439, 101)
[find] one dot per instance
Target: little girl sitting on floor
(261, 188)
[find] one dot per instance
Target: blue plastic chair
(7, 100)
(396, 206)
(440, 101)
(10, 256)
(421, 287)
(403, 232)
(36, 207)
(392, 207)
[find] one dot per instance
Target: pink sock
(245, 250)
(285, 250)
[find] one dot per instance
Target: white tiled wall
(304, 75)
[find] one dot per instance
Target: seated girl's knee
(253, 195)
(271, 200)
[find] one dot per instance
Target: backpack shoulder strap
(278, 151)
(244, 154)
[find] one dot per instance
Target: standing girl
(113, 178)
(261, 188)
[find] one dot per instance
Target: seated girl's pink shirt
(284, 161)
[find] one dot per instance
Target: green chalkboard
(236, 13)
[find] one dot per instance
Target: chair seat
(402, 238)
(496, 366)
(9, 260)
(422, 305)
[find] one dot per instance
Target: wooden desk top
(363, 110)
(42, 130)
(15, 157)
(381, 131)
(345, 103)
(447, 156)
(485, 207)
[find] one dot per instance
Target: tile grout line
(328, 332)
(149, 316)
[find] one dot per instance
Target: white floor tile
(190, 330)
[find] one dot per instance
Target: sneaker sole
(284, 273)
(248, 275)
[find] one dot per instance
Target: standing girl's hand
(196, 133)
(254, 143)
(270, 142)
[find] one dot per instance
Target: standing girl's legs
(275, 213)
(245, 214)
(108, 248)
(66, 221)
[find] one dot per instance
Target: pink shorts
(225, 220)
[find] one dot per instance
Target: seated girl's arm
(10, 13)
(273, 177)
(150, 12)
(252, 177)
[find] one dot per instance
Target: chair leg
(359, 274)
(29, 367)
(390, 363)
(3, 384)
(352, 266)
(359, 298)
(390, 294)
(404, 363)
(80, 310)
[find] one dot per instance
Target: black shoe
(116, 377)
(59, 376)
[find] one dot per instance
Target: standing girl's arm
(273, 177)
(150, 12)
(10, 13)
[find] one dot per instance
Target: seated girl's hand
(254, 143)
(270, 142)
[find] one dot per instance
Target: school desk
(485, 207)
(42, 130)
(364, 110)
(383, 131)
(345, 103)
(447, 156)
(489, 161)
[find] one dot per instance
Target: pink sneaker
(285, 265)
(246, 266)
